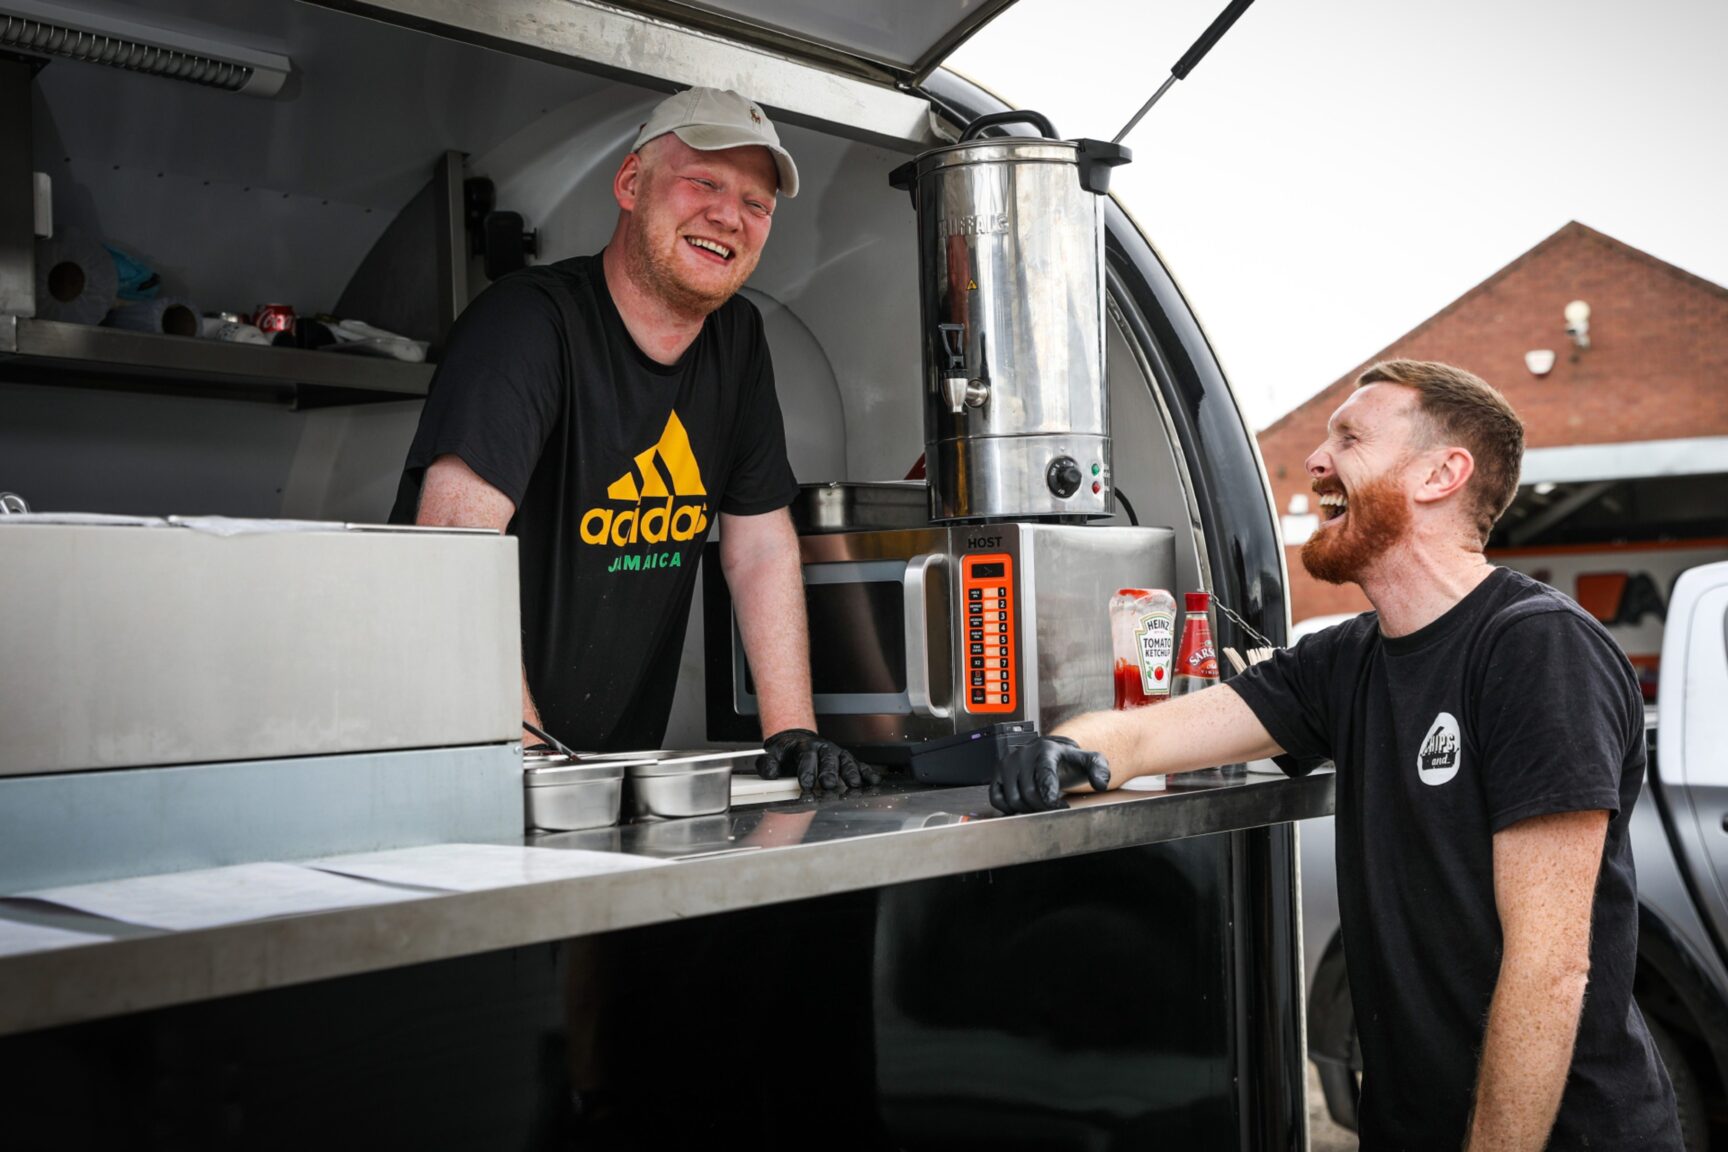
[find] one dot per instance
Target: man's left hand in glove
(818, 763)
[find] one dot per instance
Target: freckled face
(1358, 475)
(699, 220)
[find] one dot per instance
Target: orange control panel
(987, 586)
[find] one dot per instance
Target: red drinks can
(274, 318)
(1143, 635)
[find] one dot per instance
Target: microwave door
(881, 648)
(855, 610)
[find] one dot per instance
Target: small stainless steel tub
(680, 784)
(563, 795)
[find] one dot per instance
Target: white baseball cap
(709, 119)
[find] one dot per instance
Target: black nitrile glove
(819, 763)
(1032, 777)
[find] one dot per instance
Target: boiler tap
(959, 389)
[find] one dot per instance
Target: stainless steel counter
(749, 857)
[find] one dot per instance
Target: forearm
(453, 495)
(1180, 735)
(768, 594)
(1526, 1054)
(780, 657)
(1545, 871)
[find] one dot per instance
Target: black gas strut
(1190, 58)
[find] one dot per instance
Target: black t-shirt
(1513, 704)
(617, 466)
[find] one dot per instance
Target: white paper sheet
(472, 867)
(242, 526)
(212, 896)
(17, 939)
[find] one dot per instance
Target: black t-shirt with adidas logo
(1513, 704)
(618, 466)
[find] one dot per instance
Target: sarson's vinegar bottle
(1197, 660)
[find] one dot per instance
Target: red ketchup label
(1143, 631)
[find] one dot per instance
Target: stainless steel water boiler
(1011, 278)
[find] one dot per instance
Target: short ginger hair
(1459, 407)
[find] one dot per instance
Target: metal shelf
(862, 840)
(54, 352)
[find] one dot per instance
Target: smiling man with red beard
(1378, 516)
(1488, 737)
(606, 411)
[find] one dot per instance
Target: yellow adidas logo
(667, 471)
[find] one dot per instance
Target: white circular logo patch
(1438, 760)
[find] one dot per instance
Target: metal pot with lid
(1011, 285)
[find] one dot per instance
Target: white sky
(1337, 171)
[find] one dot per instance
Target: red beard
(1377, 516)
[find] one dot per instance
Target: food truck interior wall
(239, 201)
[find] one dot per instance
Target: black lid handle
(1037, 119)
(905, 178)
(1096, 158)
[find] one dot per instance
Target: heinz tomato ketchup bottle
(1197, 662)
(1143, 634)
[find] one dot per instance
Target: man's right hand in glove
(1033, 777)
(817, 762)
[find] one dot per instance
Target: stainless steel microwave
(925, 632)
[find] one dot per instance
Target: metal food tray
(562, 795)
(855, 506)
(682, 783)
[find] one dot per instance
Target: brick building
(1626, 432)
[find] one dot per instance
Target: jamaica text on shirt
(647, 562)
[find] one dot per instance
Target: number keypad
(992, 677)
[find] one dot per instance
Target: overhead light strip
(96, 36)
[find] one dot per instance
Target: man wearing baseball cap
(606, 410)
